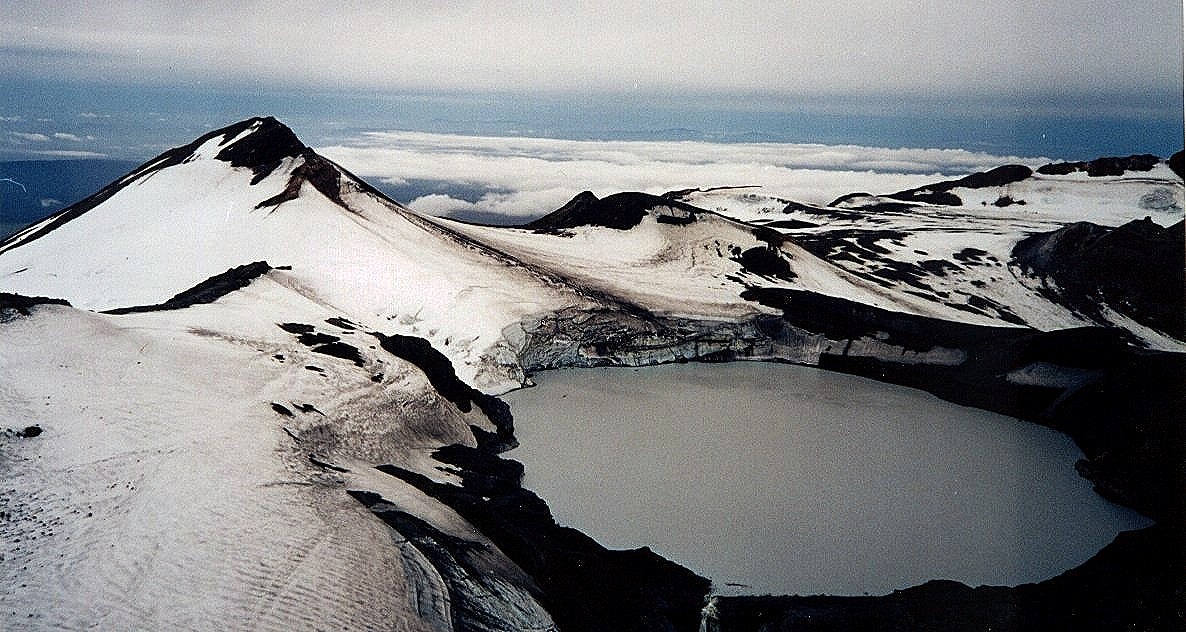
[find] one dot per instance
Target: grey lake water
(781, 479)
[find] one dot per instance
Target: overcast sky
(781, 47)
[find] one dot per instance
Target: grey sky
(924, 47)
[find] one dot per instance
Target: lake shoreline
(803, 473)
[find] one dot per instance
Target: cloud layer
(929, 47)
(527, 177)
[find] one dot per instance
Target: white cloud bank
(70, 153)
(32, 137)
(527, 177)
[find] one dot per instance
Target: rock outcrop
(1138, 269)
(622, 211)
(940, 192)
(1107, 166)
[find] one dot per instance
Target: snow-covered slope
(267, 404)
(687, 262)
(183, 480)
(192, 466)
(232, 198)
(960, 253)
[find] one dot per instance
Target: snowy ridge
(961, 255)
(698, 268)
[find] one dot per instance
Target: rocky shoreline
(1135, 583)
(1121, 404)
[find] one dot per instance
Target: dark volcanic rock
(925, 196)
(1135, 583)
(269, 145)
(579, 211)
(1062, 168)
(21, 303)
(773, 238)
(791, 207)
(999, 176)
(307, 408)
(587, 210)
(847, 197)
(973, 255)
(938, 266)
(324, 175)
(472, 588)
(865, 247)
(339, 349)
(323, 343)
(676, 220)
(1107, 166)
(765, 261)
(440, 373)
(790, 224)
(207, 291)
(583, 585)
(481, 471)
(314, 338)
(940, 192)
(1138, 269)
(264, 149)
(341, 323)
(621, 211)
(842, 319)
(1117, 166)
(1128, 421)
(1175, 163)
(297, 328)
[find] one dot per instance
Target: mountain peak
(259, 144)
(262, 144)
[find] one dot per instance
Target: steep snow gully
(265, 398)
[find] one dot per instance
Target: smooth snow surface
(791, 480)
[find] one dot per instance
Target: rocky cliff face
(1134, 583)
(1136, 269)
